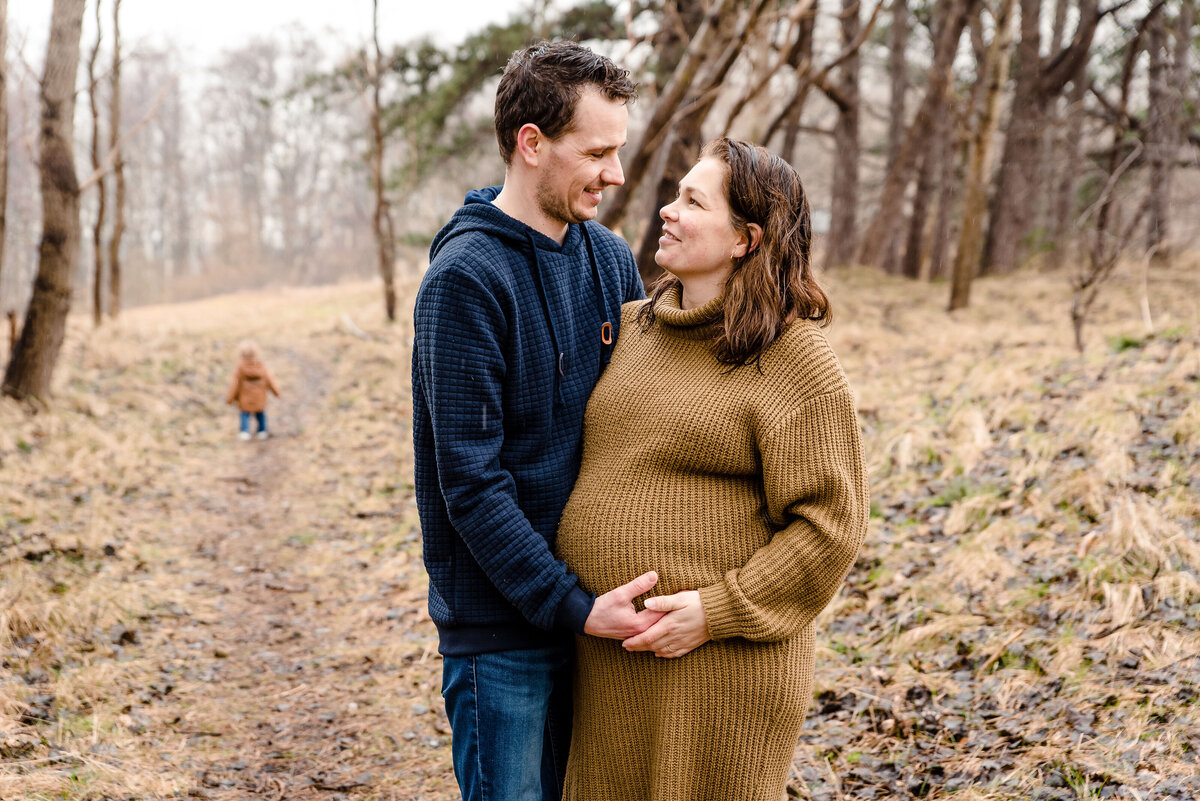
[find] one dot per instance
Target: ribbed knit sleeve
(460, 328)
(816, 491)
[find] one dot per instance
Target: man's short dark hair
(542, 84)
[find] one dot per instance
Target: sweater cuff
(574, 609)
(720, 611)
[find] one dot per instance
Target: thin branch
(110, 159)
(1110, 185)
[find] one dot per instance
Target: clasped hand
(682, 627)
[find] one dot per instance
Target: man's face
(579, 165)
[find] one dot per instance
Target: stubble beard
(555, 206)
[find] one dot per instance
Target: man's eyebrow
(604, 146)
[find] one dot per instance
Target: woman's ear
(749, 241)
(529, 140)
(755, 236)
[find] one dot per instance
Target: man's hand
(614, 616)
(683, 627)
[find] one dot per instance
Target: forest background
(990, 182)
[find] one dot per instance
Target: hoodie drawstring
(559, 355)
(606, 328)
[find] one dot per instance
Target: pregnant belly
(690, 539)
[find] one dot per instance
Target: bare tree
(101, 194)
(929, 163)
(800, 59)
(1064, 178)
(114, 244)
(879, 233)
(843, 209)
(385, 236)
(3, 128)
(970, 241)
(1159, 137)
(1038, 80)
(898, 68)
(1107, 246)
(32, 365)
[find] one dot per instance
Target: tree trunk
(385, 238)
(944, 155)
(1038, 81)
(995, 68)
(914, 244)
(114, 245)
(1012, 211)
(912, 263)
(98, 228)
(3, 133)
(1065, 177)
(1052, 144)
(1182, 80)
(33, 362)
(882, 229)
(898, 67)
(844, 205)
(1160, 143)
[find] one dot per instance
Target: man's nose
(612, 174)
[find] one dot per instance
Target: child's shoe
(263, 435)
(244, 435)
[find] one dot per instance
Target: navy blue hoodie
(509, 342)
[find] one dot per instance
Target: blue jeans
(510, 713)
(260, 417)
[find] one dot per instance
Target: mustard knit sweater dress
(746, 485)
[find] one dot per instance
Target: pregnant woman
(721, 449)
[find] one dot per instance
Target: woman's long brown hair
(773, 283)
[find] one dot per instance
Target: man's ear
(529, 144)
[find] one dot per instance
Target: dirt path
(277, 679)
(235, 619)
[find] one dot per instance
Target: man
(514, 323)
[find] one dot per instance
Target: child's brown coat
(249, 386)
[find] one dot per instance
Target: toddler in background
(249, 386)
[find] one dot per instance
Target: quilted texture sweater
(747, 485)
(508, 343)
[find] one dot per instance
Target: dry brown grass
(182, 614)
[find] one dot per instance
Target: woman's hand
(682, 629)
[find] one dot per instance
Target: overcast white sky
(202, 28)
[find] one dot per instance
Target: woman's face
(698, 238)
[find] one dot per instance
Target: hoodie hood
(479, 214)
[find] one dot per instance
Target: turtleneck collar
(701, 322)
